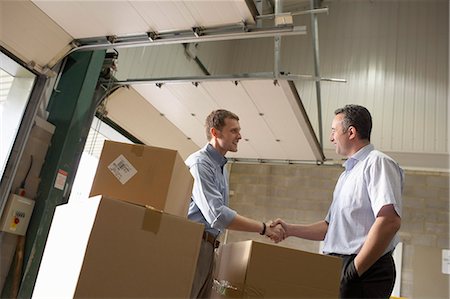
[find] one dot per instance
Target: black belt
(341, 255)
(350, 255)
(210, 238)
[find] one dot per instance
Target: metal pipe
(333, 80)
(277, 42)
(274, 15)
(259, 8)
(165, 39)
(315, 42)
(197, 35)
(272, 161)
(236, 77)
(295, 13)
(311, 11)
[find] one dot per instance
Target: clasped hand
(276, 231)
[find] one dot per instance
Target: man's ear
(352, 132)
(214, 132)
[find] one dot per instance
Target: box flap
(232, 266)
(180, 188)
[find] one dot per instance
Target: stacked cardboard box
(145, 175)
(252, 269)
(113, 246)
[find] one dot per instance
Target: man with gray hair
(363, 220)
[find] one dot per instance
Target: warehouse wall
(155, 62)
(303, 193)
(393, 54)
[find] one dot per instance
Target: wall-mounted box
(16, 215)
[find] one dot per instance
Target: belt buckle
(211, 239)
(216, 244)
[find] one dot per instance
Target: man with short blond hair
(209, 201)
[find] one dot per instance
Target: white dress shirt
(370, 181)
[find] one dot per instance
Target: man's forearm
(242, 223)
(378, 239)
(315, 231)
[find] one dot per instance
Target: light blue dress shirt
(209, 200)
(370, 181)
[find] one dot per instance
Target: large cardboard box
(252, 269)
(106, 248)
(144, 175)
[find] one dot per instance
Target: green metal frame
(71, 109)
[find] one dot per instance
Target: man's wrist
(263, 232)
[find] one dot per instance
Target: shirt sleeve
(384, 184)
(209, 199)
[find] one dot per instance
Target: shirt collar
(358, 156)
(215, 155)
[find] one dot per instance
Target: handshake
(277, 230)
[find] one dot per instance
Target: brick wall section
(303, 193)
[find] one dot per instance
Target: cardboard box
(106, 248)
(144, 175)
(252, 269)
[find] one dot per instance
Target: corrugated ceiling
(273, 121)
(83, 19)
(40, 32)
(274, 124)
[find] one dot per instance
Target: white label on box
(446, 261)
(122, 169)
(61, 178)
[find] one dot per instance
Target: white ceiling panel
(164, 15)
(82, 19)
(195, 98)
(30, 35)
(275, 108)
(86, 18)
(219, 12)
(171, 107)
(40, 32)
(273, 122)
(132, 112)
(231, 97)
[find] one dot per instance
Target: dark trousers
(203, 279)
(377, 282)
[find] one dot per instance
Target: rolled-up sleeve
(385, 181)
(208, 195)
